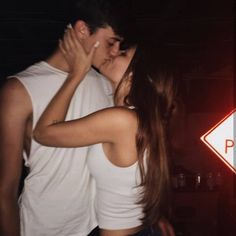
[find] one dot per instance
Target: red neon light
(229, 143)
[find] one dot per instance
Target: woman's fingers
(76, 42)
(68, 43)
(71, 41)
(61, 46)
(77, 58)
(92, 50)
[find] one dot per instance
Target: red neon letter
(228, 144)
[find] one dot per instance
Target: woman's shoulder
(123, 113)
(119, 115)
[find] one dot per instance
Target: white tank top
(117, 193)
(58, 194)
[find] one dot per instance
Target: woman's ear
(81, 29)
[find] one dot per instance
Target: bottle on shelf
(198, 181)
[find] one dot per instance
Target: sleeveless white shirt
(117, 191)
(58, 194)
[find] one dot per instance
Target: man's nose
(115, 50)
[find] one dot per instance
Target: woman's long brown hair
(152, 95)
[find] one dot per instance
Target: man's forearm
(9, 218)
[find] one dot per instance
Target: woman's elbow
(41, 136)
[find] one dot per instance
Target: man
(57, 199)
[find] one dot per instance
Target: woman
(128, 156)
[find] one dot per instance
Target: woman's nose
(115, 50)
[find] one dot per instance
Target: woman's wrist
(78, 76)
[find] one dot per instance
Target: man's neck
(57, 60)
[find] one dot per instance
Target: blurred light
(221, 140)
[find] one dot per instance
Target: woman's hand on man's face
(78, 60)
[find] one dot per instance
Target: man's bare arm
(15, 108)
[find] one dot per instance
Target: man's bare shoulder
(14, 95)
(12, 85)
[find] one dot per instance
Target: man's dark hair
(118, 14)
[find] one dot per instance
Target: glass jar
(198, 180)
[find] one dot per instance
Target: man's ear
(81, 29)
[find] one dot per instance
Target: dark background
(201, 30)
(201, 33)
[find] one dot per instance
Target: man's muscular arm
(15, 108)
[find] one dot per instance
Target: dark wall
(199, 31)
(29, 32)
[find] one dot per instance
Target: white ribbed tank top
(117, 193)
